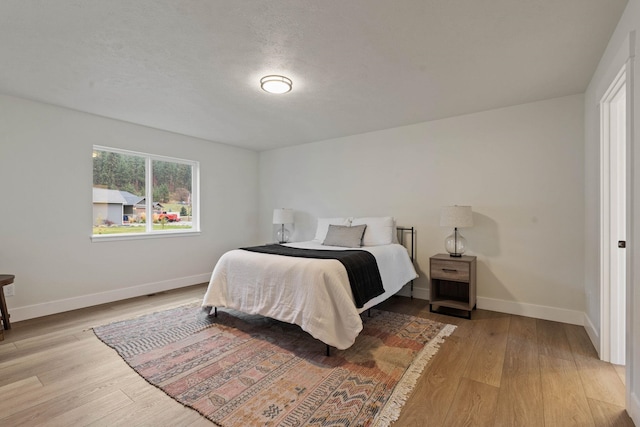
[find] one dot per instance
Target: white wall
(622, 46)
(46, 210)
(521, 168)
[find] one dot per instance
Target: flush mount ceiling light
(276, 84)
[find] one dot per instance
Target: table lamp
(456, 217)
(281, 217)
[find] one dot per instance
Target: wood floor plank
(565, 403)
(579, 341)
(91, 411)
(608, 415)
(17, 390)
(50, 402)
(6, 348)
(18, 368)
(81, 379)
(150, 408)
(432, 397)
(473, 405)
(44, 341)
(599, 379)
(95, 353)
(520, 396)
(487, 359)
(552, 340)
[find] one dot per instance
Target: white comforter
(312, 293)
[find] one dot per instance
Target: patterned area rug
(243, 370)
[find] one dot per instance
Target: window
(140, 195)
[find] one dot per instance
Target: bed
(314, 294)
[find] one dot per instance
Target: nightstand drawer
(449, 270)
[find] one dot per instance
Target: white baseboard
(62, 305)
(544, 312)
(503, 306)
(519, 308)
(594, 334)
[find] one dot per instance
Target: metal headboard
(402, 237)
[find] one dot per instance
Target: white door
(613, 110)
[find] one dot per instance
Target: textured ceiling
(193, 66)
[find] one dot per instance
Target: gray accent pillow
(342, 235)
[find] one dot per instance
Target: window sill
(96, 238)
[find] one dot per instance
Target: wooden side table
(5, 279)
(453, 282)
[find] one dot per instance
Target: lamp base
(455, 244)
(282, 235)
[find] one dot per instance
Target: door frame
(613, 301)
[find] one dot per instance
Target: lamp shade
(283, 216)
(456, 216)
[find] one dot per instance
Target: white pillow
(380, 230)
(323, 226)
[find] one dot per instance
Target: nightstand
(453, 282)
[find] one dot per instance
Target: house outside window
(139, 195)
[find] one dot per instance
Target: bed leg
(215, 311)
(328, 351)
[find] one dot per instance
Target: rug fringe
(390, 412)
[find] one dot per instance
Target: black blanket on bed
(362, 268)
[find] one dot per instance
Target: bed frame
(402, 235)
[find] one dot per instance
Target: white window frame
(150, 233)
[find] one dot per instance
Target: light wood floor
(495, 370)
